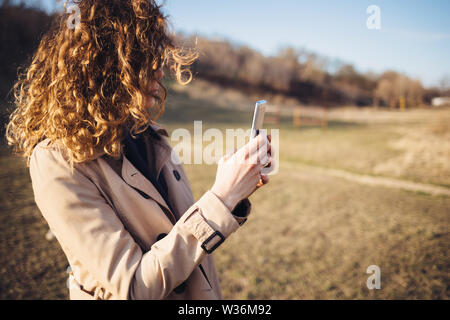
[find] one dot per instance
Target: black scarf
(135, 151)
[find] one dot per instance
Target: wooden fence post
(273, 114)
(296, 117)
(324, 122)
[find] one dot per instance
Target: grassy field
(310, 235)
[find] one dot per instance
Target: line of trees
(21, 28)
(303, 75)
(309, 77)
(399, 91)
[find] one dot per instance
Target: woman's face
(153, 89)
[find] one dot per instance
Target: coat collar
(156, 127)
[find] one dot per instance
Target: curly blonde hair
(86, 85)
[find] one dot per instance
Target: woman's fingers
(230, 154)
(256, 151)
(269, 161)
(263, 180)
(264, 157)
(239, 172)
(259, 142)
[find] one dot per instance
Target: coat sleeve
(89, 230)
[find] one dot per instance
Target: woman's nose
(159, 74)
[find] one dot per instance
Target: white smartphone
(258, 118)
(257, 125)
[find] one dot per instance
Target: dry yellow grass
(313, 236)
(310, 235)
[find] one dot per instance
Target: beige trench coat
(120, 237)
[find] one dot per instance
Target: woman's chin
(149, 103)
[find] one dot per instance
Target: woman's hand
(239, 173)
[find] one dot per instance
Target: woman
(100, 166)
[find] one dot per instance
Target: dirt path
(372, 180)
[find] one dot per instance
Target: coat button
(177, 175)
(181, 288)
(160, 236)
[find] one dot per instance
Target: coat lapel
(137, 180)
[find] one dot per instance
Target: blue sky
(414, 37)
